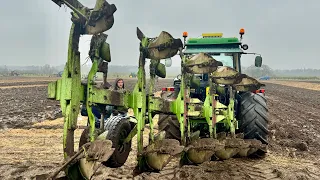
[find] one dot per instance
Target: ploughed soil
(24, 102)
(311, 85)
(31, 137)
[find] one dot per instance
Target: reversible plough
(196, 130)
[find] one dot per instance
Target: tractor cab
(226, 50)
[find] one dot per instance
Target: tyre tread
(253, 119)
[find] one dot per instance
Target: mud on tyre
(118, 129)
(253, 118)
(170, 124)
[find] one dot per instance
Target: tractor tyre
(118, 129)
(171, 125)
(253, 120)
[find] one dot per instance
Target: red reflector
(262, 90)
(170, 89)
(164, 89)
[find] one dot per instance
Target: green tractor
(248, 104)
(228, 120)
(132, 75)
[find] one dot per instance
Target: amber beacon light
(185, 34)
(241, 32)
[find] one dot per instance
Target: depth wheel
(118, 129)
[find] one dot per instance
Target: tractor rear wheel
(118, 129)
(170, 124)
(253, 120)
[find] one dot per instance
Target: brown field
(31, 137)
(315, 85)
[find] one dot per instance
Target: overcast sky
(286, 32)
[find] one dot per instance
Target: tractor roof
(213, 43)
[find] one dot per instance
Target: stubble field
(31, 136)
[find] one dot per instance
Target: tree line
(253, 71)
(45, 69)
(265, 70)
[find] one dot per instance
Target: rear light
(259, 91)
(168, 89)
